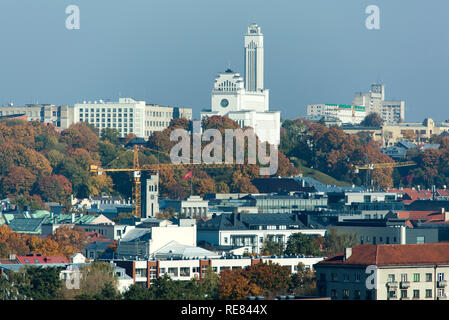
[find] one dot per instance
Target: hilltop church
(245, 100)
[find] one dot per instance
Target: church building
(245, 100)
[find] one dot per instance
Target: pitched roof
(245, 221)
(393, 255)
(38, 259)
(29, 225)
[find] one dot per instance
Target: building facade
(346, 114)
(374, 101)
(386, 272)
(246, 101)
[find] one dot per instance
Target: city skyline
(137, 52)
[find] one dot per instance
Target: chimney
(445, 214)
(348, 253)
(403, 235)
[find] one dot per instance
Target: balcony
(392, 285)
(405, 284)
(441, 283)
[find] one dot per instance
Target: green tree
(299, 243)
(112, 135)
(336, 243)
(303, 282)
(272, 248)
(137, 292)
(373, 119)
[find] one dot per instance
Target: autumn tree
(234, 285)
(273, 279)
(55, 188)
(19, 180)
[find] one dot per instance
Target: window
(428, 277)
(345, 294)
(334, 294)
(173, 272)
(184, 272)
(334, 277)
(369, 294)
(440, 276)
(403, 293)
(404, 277)
(415, 294)
(420, 240)
(357, 294)
(416, 277)
(428, 293)
(440, 292)
(161, 270)
(391, 294)
(391, 278)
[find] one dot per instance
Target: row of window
(416, 294)
(157, 123)
(416, 277)
(92, 110)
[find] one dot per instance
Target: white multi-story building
(128, 116)
(374, 101)
(246, 101)
(58, 116)
(344, 113)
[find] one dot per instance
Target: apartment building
(386, 272)
(145, 272)
(391, 111)
(251, 230)
(58, 116)
(128, 116)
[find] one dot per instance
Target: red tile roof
(427, 216)
(394, 254)
(93, 236)
(33, 259)
(413, 194)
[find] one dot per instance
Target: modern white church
(246, 101)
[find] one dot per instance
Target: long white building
(344, 113)
(246, 101)
(128, 116)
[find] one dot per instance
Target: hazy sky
(170, 51)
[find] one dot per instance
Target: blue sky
(169, 51)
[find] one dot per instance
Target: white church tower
(254, 59)
(246, 101)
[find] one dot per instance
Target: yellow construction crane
(137, 170)
(373, 166)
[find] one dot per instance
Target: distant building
(192, 206)
(251, 230)
(128, 116)
(345, 114)
(374, 101)
(59, 116)
(143, 242)
(195, 265)
(396, 272)
(416, 132)
(245, 100)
